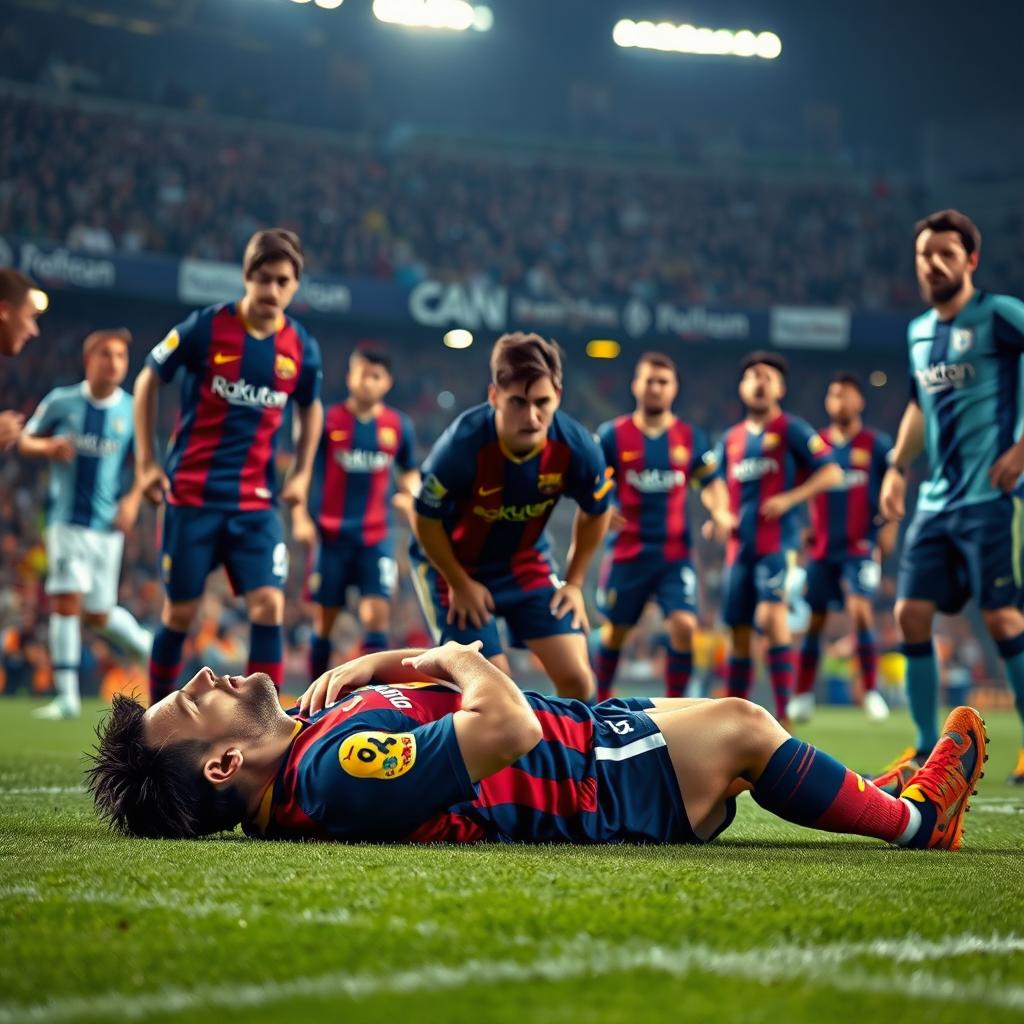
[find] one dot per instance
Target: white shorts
(84, 561)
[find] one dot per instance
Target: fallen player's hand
(326, 690)
(436, 662)
(569, 598)
(471, 604)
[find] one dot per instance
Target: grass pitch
(770, 923)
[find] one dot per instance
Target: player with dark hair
(656, 458)
(363, 443)
(489, 486)
(845, 546)
(772, 462)
(21, 302)
(86, 432)
(442, 746)
(965, 412)
(242, 363)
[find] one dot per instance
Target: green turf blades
(772, 922)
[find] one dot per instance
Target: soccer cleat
(800, 707)
(875, 707)
(55, 711)
(1017, 777)
(897, 773)
(948, 778)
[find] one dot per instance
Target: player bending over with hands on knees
(441, 745)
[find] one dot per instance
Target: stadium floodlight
(329, 5)
(603, 348)
(720, 42)
(458, 338)
(878, 378)
(39, 299)
(301, 1)
(451, 15)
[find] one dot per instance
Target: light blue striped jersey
(965, 374)
(86, 490)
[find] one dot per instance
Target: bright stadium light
(458, 338)
(328, 5)
(603, 348)
(452, 15)
(39, 299)
(720, 42)
(878, 378)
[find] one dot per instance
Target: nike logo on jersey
(220, 358)
(630, 456)
(339, 435)
(484, 491)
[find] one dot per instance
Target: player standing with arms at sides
(846, 546)
(489, 486)
(21, 302)
(86, 431)
(964, 411)
(351, 500)
(655, 457)
(243, 362)
(772, 463)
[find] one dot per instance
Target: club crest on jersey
(285, 368)
(387, 437)
(548, 483)
(117, 425)
(961, 339)
(771, 441)
(679, 454)
(166, 347)
(860, 457)
(377, 755)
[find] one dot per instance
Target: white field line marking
(827, 966)
(40, 790)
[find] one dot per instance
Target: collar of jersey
(512, 457)
(262, 819)
(278, 324)
(661, 433)
(101, 403)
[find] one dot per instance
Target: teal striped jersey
(965, 374)
(85, 491)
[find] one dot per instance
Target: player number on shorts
(388, 570)
(689, 579)
(279, 561)
(622, 728)
(869, 575)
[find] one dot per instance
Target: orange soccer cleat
(897, 773)
(948, 778)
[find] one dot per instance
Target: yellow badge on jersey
(547, 483)
(679, 454)
(387, 438)
(377, 755)
(166, 347)
(285, 368)
(815, 445)
(860, 457)
(770, 441)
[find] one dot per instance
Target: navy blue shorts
(974, 551)
(527, 613)
(830, 579)
(250, 546)
(749, 583)
(639, 800)
(344, 563)
(626, 587)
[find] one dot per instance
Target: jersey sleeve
(381, 785)
(405, 457)
(181, 346)
(311, 375)
(46, 416)
(880, 453)
(447, 474)
(1008, 324)
(809, 448)
(590, 478)
(704, 462)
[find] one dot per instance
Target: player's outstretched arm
(495, 726)
(310, 420)
(909, 444)
(471, 603)
(587, 533)
(150, 478)
(59, 449)
(715, 498)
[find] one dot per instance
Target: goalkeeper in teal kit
(965, 411)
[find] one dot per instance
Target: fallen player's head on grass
(194, 762)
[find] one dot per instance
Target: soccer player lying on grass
(375, 752)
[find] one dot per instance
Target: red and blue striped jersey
(844, 520)
(651, 477)
(495, 506)
(384, 765)
(758, 465)
(354, 473)
(233, 397)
